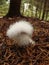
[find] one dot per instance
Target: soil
(38, 54)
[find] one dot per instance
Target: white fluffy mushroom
(21, 32)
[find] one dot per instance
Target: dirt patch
(28, 55)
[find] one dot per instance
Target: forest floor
(37, 54)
